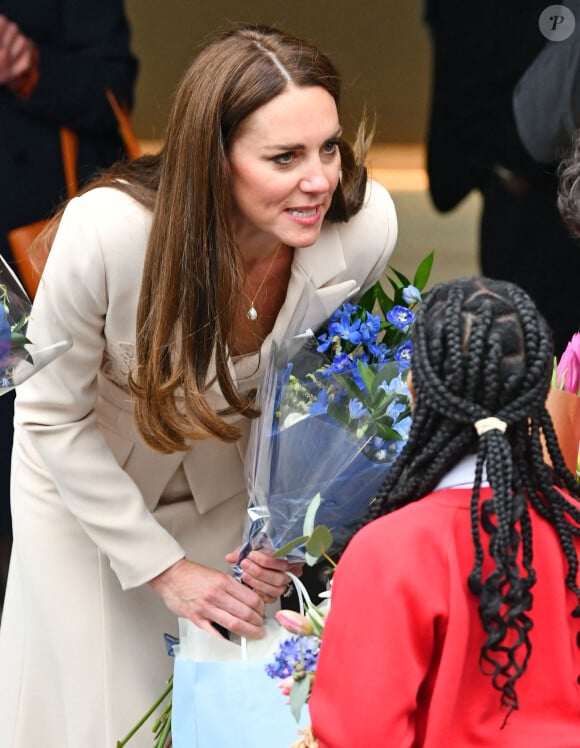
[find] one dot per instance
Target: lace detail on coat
(119, 359)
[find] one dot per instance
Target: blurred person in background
(480, 55)
(56, 60)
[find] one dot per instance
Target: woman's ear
(411, 388)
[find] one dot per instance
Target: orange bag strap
(127, 134)
(69, 144)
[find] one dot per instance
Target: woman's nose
(315, 178)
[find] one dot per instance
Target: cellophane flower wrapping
(20, 358)
(299, 451)
(335, 414)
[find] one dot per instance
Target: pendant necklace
(252, 313)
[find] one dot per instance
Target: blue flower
(346, 329)
(400, 317)
(411, 295)
(324, 343)
(340, 364)
(403, 355)
(370, 328)
(395, 409)
(403, 427)
(5, 334)
(356, 409)
(320, 405)
(397, 386)
(347, 308)
(380, 352)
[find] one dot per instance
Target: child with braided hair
(455, 617)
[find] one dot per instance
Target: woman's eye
(331, 147)
(284, 159)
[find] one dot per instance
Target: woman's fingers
(207, 596)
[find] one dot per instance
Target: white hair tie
(490, 424)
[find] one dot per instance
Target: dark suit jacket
(480, 51)
(84, 48)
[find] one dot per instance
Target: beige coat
(81, 648)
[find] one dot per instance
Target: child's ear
(411, 388)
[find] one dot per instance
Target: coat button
(578, 638)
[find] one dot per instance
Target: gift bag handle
(303, 597)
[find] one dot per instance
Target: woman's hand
(207, 596)
(264, 574)
(16, 51)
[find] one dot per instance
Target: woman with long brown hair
(173, 275)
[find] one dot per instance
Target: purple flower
(5, 334)
(400, 317)
(296, 650)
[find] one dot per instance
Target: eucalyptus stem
(330, 561)
(146, 716)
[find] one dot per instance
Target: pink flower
(292, 621)
(568, 369)
(286, 685)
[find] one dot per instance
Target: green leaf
(367, 375)
(349, 385)
(424, 271)
(18, 340)
(555, 373)
(387, 433)
(388, 372)
(290, 545)
(368, 299)
(397, 287)
(299, 696)
(319, 541)
(309, 517)
(385, 303)
(404, 281)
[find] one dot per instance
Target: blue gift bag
(230, 704)
(222, 696)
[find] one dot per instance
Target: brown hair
(192, 268)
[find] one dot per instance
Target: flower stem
(330, 561)
(146, 716)
(161, 741)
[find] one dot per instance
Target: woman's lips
(307, 215)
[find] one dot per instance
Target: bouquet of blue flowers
(335, 414)
(19, 357)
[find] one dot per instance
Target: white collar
(461, 475)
